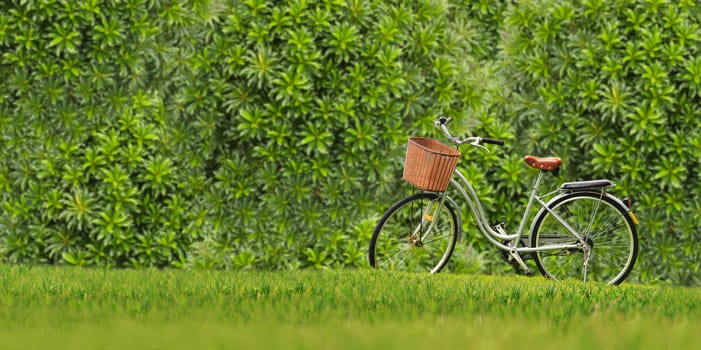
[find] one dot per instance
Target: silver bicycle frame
(492, 235)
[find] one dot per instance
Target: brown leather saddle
(546, 164)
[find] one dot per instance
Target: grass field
(70, 308)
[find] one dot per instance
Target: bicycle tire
(394, 244)
(604, 223)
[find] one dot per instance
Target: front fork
(429, 216)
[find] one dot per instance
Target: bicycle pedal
(507, 257)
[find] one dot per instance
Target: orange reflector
(429, 217)
(635, 219)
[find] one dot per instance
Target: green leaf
(65, 40)
(317, 139)
(670, 173)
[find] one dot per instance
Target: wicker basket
(429, 164)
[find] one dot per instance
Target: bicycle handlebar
(493, 141)
(442, 123)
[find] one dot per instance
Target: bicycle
(582, 231)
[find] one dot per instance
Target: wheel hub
(416, 241)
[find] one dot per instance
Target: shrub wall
(270, 134)
(240, 134)
(97, 165)
(310, 105)
(613, 87)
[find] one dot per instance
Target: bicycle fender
(628, 209)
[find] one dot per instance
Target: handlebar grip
(493, 141)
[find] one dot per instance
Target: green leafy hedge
(96, 166)
(270, 134)
(613, 87)
(310, 104)
(238, 134)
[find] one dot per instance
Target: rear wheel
(402, 240)
(607, 229)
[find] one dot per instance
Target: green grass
(69, 308)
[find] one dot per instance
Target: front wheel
(605, 226)
(417, 234)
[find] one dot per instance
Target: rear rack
(583, 185)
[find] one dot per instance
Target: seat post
(534, 193)
(536, 186)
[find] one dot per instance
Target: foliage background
(613, 88)
(270, 134)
